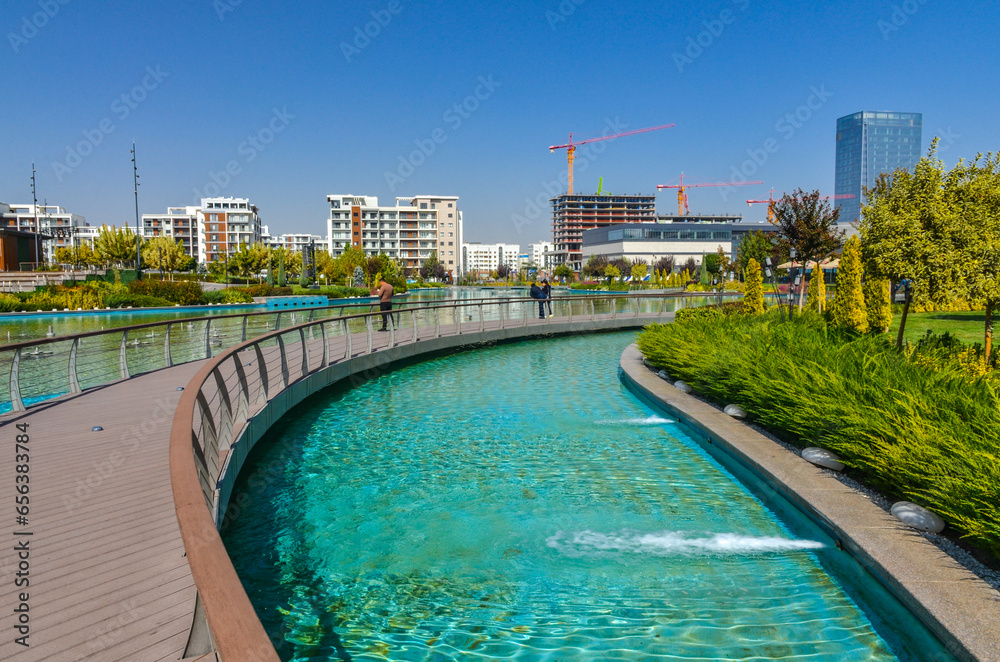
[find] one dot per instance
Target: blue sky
(297, 105)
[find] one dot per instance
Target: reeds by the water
(927, 432)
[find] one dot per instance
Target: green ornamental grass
(914, 429)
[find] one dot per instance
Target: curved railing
(46, 368)
(234, 386)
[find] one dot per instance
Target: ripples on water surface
(517, 502)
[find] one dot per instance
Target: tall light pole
(135, 181)
(34, 206)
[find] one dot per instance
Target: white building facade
(179, 224)
(225, 224)
(409, 231)
(540, 254)
(483, 259)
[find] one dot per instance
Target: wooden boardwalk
(109, 580)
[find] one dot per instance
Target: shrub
(229, 295)
(9, 304)
(878, 302)
(925, 433)
(186, 293)
(753, 300)
(848, 308)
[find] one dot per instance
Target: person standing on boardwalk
(547, 296)
(536, 293)
(384, 294)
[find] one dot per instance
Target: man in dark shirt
(536, 293)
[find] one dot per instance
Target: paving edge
(959, 608)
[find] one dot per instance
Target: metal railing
(46, 368)
(234, 386)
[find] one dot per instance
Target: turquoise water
(517, 502)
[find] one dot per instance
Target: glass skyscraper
(868, 144)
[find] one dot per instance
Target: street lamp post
(135, 181)
(34, 206)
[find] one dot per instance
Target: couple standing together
(544, 296)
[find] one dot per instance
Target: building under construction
(572, 214)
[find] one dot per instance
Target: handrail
(205, 426)
(126, 337)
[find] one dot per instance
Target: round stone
(917, 517)
(647, 363)
(822, 458)
(735, 411)
(683, 387)
(663, 375)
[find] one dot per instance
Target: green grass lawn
(966, 326)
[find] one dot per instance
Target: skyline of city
(341, 110)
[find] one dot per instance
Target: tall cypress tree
(849, 302)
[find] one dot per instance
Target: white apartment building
(540, 254)
(408, 231)
(179, 224)
(481, 259)
(61, 226)
(224, 224)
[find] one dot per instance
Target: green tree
(115, 246)
(816, 299)
(848, 308)
(565, 272)
(639, 272)
(281, 281)
(756, 245)
(164, 253)
(878, 303)
(703, 277)
(808, 224)
(611, 272)
(595, 266)
(753, 298)
(910, 229)
(79, 256)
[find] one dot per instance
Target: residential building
(540, 255)
(573, 214)
(650, 242)
(57, 226)
(409, 231)
(869, 144)
(179, 224)
(482, 259)
(224, 224)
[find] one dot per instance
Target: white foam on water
(671, 543)
(649, 420)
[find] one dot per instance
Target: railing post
(368, 332)
(392, 332)
(456, 315)
(526, 308)
(262, 371)
(243, 406)
(326, 345)
(482, 323)
(569, 302)
(208, 339)
(413, 320)
(305, 351)
(437, 323)
(243, 333)
(74, 383)
(636, 306)
(16, 403)
(614, 308)
(168, 360)
(122, 357)
(225, 428)
(277, 322)
(592, 308)
(347, 335)
(284, 361)
(500, 308)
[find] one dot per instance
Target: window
(614, 235)
(423, 205)
(213, 217)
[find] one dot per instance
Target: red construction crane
(770, 202)
(682, 198)
(571, 146)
